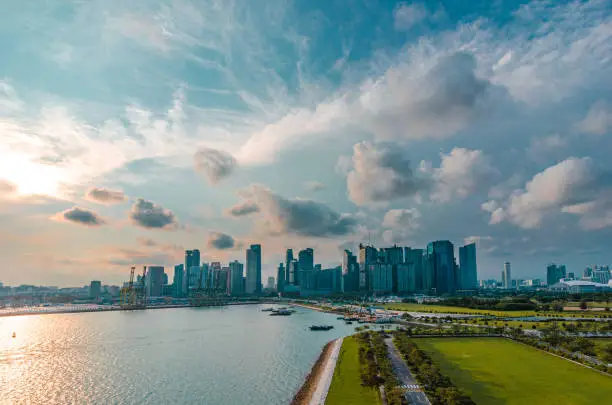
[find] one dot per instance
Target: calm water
(234, 355)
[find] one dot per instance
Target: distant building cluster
(391, 270)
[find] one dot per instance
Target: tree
(583, 305)
(606, 353)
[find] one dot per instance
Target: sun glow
(31, 178)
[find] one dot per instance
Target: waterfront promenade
(327, 373)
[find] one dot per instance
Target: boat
(340, 317)
(267, 309)
(281, 312)
(349, 322)
(321, 327)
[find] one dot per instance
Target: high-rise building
(294, 271)
(392, 255)
(368, 255)
(270, 283)
(554, 273)
(290, 278)
(406, 278)
(441, 266)
(468, 275)
(95, 289)
(417, 259)
(253, 270)
(192, 259)
(179, 275)
(381, 278)
(601, 275)
(507, 276)
(154, 281)
(280, 278)
(306, 266)
(350, 272)
(236, 276)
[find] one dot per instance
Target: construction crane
(208, 295)
(132, 296)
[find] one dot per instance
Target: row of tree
(439, 388)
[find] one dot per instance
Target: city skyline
(130, 133)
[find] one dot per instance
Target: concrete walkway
(414, 394)
(327, 374)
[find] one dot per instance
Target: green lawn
(412, 307)
(499, 371)
(346, 385)
(406, 306)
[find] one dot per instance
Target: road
(414, 394)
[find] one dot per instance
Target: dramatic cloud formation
(215, 164)
(220, 241)
(80, 216)
(598, 120)
(381, 173)
(400, 224)
(461, 172)
(576, 186)
(300, 217)
(243, 208)
(149, 215)
(105, 196)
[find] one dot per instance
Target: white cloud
(575, 186)
(400, 225)
(381, 173)
(405, 15)
(461, 172)
(598, 120)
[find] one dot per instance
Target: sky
(131, 131)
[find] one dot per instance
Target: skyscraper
(289, 277)
(415, 258)
(179, 275)
(368, 255)
(350, 272)
(236, 275)
(253, 270)
(95, 289)
(306, 266)
(270, 283)
(154, 281)
(507, 276)
(280, 278)
(441, 266)
(192, 259)
(554, 273)
(467, 267)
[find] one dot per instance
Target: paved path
(414, 393)
(325, 379)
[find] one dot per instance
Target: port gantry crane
(207, 296)
(134, 296)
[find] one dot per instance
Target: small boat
(267, 309)
(14, 334)
(321, 327)
(340, 317)
(281, 312)
(349, 322)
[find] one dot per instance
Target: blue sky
(134, 130)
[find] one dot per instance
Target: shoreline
(113, 309)
(308, 388)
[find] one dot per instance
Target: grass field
(405, 306)
(498, 371)
(346, 385)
